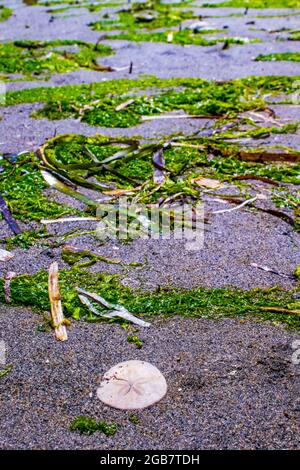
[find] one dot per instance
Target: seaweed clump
(213, 303)
(5, 13)
(36, 59)
(88, 425)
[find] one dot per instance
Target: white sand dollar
(132, 385)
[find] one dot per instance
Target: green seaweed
(283, 56)
(88, 425)
(26, 239)
(39, 58)
(5, 13)
(134, 339)
(74, 4)
(96, 103)
(150, 15)
(181, 161)
(22, 187)
(295, 36)
(183, 37)
(134, 419)
(254, 4)
(6, 370)
(214, 303)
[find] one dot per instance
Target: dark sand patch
(231, 385)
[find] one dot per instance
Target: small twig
(258, 178)
(269, 270)
(248, 201)
(124, 105)
(176, 116)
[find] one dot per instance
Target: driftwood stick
(56, 307)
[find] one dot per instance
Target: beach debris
(132, 385)
(63, 220)
(121, 192)
(5, 255)
(114, 310)
(248, 201)
(270, 270)
(9, 276)
(59, 322)
(263, 179)
(170, 37)
(63, 188)
(280, 310)
(200, 26)
(177, 116)
(124, 105)
(274, 212)
(11, 222)
(159, 166)
(269, 155)
(208, 183)
(146, 17)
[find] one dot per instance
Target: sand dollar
(132, 385)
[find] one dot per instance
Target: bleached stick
(236, 207)
(68, 219)
(55, 302)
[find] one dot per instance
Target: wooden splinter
(55, 302)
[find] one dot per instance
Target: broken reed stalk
(280, 310)
(55, 302)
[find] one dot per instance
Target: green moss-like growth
(150, 15)
(183, 37)
(297, 272)
(254, 4)
(37, 58)
(295, 36)
(96, 103)
(5, 13)
(289, 56)
(22, 185)
(88, 425)
(25, 239)
(134, 419)
(206, 302)
(6, 370)
(181, 161)
(134, 339)
(74, 4)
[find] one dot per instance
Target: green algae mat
(33, 59)
(96, 103)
